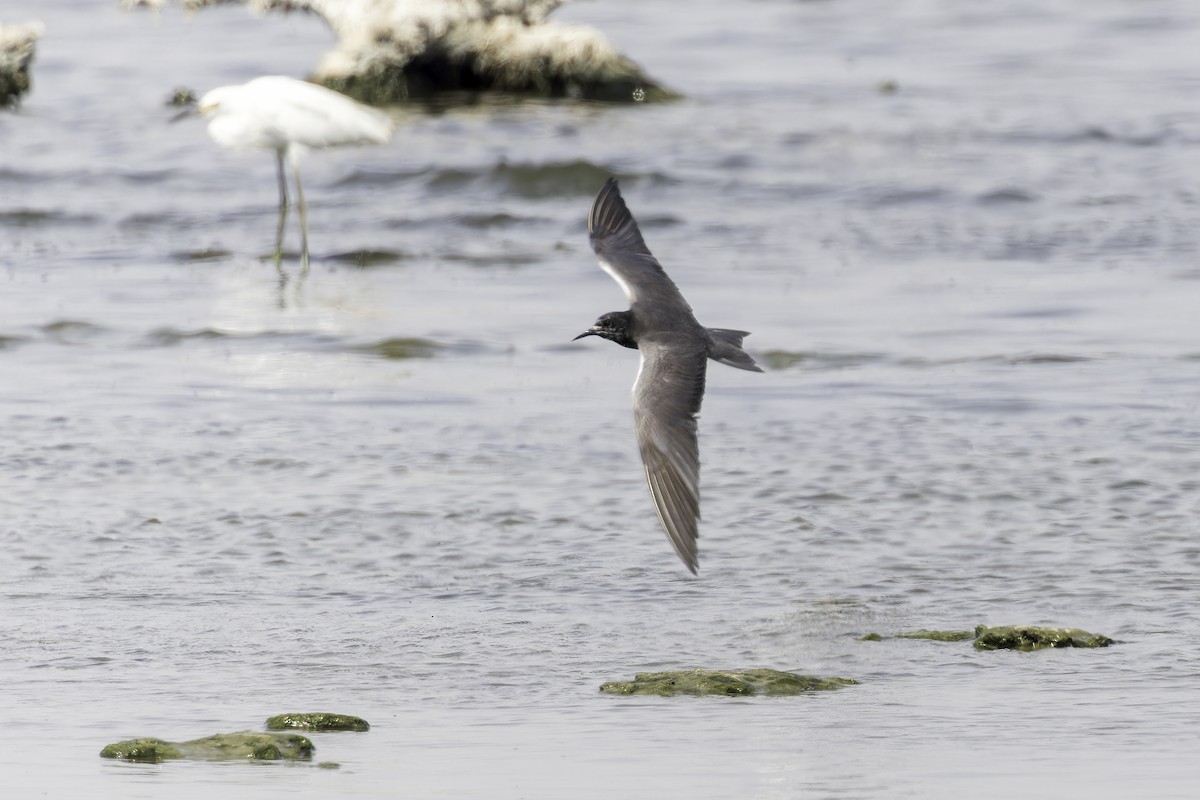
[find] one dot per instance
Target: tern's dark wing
(666, 399)
(623, 254)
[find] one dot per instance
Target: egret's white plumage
(289, 116)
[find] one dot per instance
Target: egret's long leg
(283, 206)
(303, 217)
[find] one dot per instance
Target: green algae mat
(317, 722)
(244, 746)
(247, 745)
(1030, 637)
(938, 636)
(1010, 637)
(743, 683)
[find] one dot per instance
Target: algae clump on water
(319, 721)
(1016, 637)
(1032, 637)
(248, 745)
(938, 636)
(740, 683)
(146, 750)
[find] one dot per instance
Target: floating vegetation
(318, 721)
(248, 745)
(1011, 637)
(1031, 637)
(938, 636)
(741, 683)
(402, 348)
(35, 217)
(206, 254)
(368, 258)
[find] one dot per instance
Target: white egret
(289, 116)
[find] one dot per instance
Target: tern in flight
(675, 349)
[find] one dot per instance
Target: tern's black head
(613, 326)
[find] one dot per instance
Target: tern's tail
(726, 348)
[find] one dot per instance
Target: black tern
(675, 349)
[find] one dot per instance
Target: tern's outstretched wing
(623, 254)
(666, 399)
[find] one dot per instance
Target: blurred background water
(964, 238)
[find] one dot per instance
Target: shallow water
(395, 488)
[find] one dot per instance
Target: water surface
(964, 238)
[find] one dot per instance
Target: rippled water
(964, 238)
